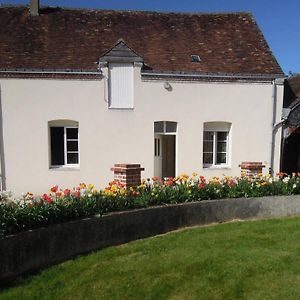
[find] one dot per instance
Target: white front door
(158, 155)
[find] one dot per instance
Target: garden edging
(35, 249)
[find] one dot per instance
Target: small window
(216, 144)
(159, 127)
(165, 127)
(195, 58)
(64, 141)
(171, 127)
(215, 150)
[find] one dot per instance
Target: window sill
(64, 168)
(121, 108)
(217, 167)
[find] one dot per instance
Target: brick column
(128, 174)
(251, 168)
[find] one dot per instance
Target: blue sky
(278, 20)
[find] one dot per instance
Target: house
(82, 90)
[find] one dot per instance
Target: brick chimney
(34, 7)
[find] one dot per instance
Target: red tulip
(67, 192)
(54, 189)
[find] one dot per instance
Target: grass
(238, 260)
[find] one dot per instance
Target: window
(195, 58)
(165, 127)
(64, 145)
(120, 85)
(216, 144)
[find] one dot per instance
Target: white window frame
(66, 140)
(215, 149)
(215, 127)
(65, 148)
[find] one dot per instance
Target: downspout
(275, 126)
(2, 161)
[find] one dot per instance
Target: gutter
(149, 73)
(41, 71)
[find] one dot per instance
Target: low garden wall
(35, 249)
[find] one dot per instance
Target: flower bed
(30, 211)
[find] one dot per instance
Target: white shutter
(120, 85)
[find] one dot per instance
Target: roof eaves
(50, 73)
(210, 76)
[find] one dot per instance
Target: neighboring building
(290, 158)
(82, 90)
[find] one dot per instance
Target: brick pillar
(128, 174)
(251, 168)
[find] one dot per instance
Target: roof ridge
(44, 7)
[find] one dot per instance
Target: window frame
(165, 130)
(66, 164)
(215, 151)
(215, 128)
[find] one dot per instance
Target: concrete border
(33, 250)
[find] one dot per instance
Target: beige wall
(109, 136)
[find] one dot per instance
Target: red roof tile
(76, 39)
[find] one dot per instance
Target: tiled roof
(76, 39)
(294, 83)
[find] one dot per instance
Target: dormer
(120, 61)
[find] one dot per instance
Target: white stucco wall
(109, 136)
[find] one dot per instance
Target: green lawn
(239, 260)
